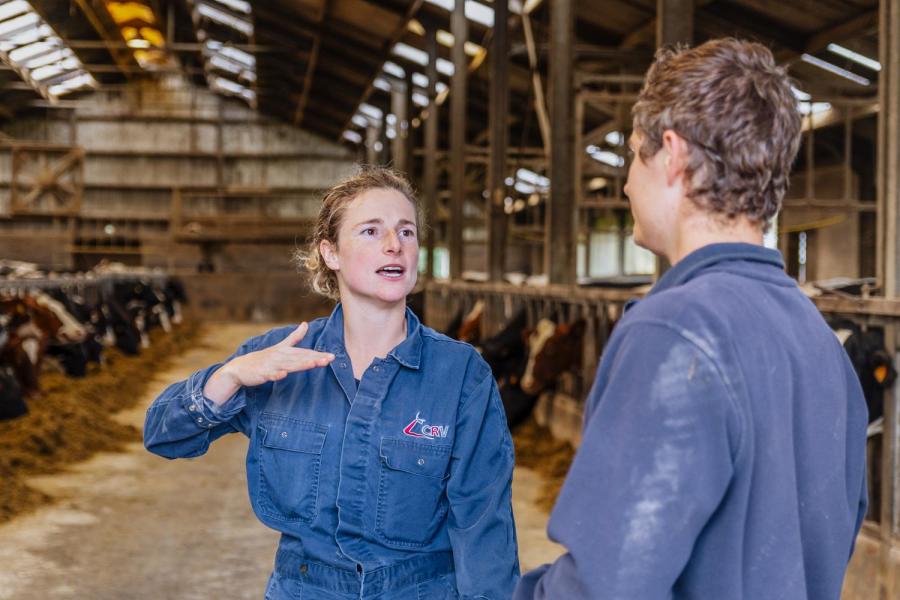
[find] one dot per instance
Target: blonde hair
(328, 223)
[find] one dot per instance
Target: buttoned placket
(361, 425)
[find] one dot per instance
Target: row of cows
(528, 359)
(63, 323)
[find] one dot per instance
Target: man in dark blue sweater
(723, 454)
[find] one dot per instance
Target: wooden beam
(311, 65)
(674, 22)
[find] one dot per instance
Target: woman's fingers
(295, 336)
(301, 359)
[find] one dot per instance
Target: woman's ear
(329, 255)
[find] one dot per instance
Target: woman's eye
(408, 233)
(368, 231)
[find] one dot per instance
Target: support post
(499, 109)
(458, 92)
(888, 269)
(674, 24)
(560, 246)
(431, 149)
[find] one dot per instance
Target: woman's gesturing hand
(270, 364)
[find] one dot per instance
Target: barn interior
(184, 146)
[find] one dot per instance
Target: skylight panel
(11, 9)
(475, 11)
(225, 18)
(229, 70)
(40, 57)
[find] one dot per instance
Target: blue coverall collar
(408, 352)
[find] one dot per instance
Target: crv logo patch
(418, 428)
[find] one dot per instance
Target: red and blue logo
(418, 428)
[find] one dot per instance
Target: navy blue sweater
(723, 455)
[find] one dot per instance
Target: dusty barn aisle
(133, 526)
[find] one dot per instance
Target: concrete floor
(133, 526)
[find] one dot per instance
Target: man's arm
(654, 463)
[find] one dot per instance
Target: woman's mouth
(391, 271)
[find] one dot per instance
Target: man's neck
(701, 230)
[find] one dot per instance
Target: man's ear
(676, 152)
(329, 254)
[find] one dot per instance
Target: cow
(470, 329)
(507, 355)
(551, 355)
(875, 369)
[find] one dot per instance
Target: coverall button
(284, 434)
(192, 407)
(376, 368)
(304, 568)
(420, 462)
(343, 365)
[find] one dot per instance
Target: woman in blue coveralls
(378, 447)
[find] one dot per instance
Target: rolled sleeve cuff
(204, 412)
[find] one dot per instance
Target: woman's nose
(392, 242)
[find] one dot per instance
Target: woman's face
(377, 251)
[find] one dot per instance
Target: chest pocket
(412, 503)
(290, 457)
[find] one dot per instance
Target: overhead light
(532, 178)
(614, 138)
(807, 108)
(445, 38)
(800, 94)
(409, 53)
(381, 84)
(827, 66)
(352, 136)
(370, 111)
(855, 57)
(445, 67)
(360, 121)
(420, 99)
(606, 157)
(393, 69)
(138, 43)
(420, 80)
(416, 27)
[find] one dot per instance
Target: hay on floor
(70, 419)
(537, 449)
